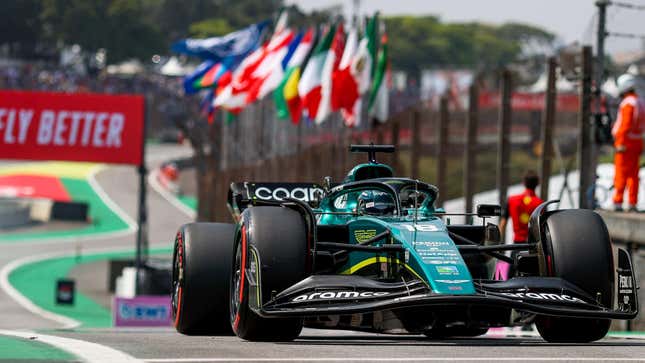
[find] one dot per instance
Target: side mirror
(489, 210)
(326, 184)
(316, 198)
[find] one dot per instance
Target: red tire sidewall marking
(549, 265)
(180, 256)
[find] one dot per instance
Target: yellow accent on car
(363, 235)
(373, 260)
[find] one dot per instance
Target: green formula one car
(373, 253)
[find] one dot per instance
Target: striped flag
(287, 99)
(309, 87)
(378, 107)
(332, 61)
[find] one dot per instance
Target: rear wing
(241, 195)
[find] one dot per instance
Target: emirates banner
(71, 127)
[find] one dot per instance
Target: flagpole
(356, 10)
(141, 255)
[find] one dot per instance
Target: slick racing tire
(578, 249)
(272, 244)
(201, 275)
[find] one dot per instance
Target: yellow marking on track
(60, 169)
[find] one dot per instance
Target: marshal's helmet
(375, 203)
(625, 83)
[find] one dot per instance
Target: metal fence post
(441, 150)
(470, 162)
(416, 144)
(546, 132)
(584, 126)
(394, 140)
(503, 143)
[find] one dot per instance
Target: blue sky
(571, 20)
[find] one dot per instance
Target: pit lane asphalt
(165, 345)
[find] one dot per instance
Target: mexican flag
(332, 61)
(378, 106)
(309, 87)
(286, 96)
(364, 62)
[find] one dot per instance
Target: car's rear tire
(200, 278)
(278, 238)
(578, 249)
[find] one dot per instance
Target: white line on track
(401, 359)
(169, 197)
(86, 351)
(6, 270)
(22, 300)
(91, 180)
(132, 225)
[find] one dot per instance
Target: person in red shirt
(518, 208)
(628, 142)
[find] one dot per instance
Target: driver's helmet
(375, 203)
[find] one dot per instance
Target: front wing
(321, 295)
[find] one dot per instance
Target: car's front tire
(200, 278)
(276, 237)
(578, 249)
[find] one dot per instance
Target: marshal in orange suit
(628, 142)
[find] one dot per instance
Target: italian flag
(379, 97)
(332, 61)
(286, 96)
(309, 87)
(345, 96)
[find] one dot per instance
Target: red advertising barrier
(530, 101)
(72, 127)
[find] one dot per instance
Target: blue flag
(198, 72)
(234, 45)
(292, 49)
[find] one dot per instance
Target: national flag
(247, 80)
(378, 106)
(269, 72)
(286, 96)
(199, 72)
(365, 60)
(237, 44)
(372, 33)
(332, 61)
(345, 96)
(309, 87)
(207, 80)
(233, 96)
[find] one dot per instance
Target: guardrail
(628, 230)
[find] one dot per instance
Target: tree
(21, 26)
(116, 25)
(426, 42)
